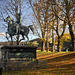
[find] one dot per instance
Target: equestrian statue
(15, 28)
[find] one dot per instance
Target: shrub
(31, 44)
(71, 48)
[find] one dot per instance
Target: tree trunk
(47, 46)
(52, 40)
(59, 45)
(52, 48)
(72, 35)
(43, 46)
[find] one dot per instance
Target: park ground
(62, 63)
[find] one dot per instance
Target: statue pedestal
(17, 54)
(0, 71)
(74, 42)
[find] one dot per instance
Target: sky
(27, 20)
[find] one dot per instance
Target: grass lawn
(50, 64)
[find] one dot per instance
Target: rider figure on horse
(18, 22)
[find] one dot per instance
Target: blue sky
(27, 20)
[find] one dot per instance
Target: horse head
(8, 18)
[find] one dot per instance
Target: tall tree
(67, 8)
(57, 24)
(41, 11)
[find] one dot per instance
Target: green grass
(62, 63)
(43, 52)
(39, 52)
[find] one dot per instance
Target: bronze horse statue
(16, 29)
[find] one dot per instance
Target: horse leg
(11, 40)
(27, 39)
(23, 38)
(6, 36)
(18, 39)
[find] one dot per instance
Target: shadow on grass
(58, 62)
(62, 58)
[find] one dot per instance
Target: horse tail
(31, 27)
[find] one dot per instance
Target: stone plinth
(17, 54)
(74, 44)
